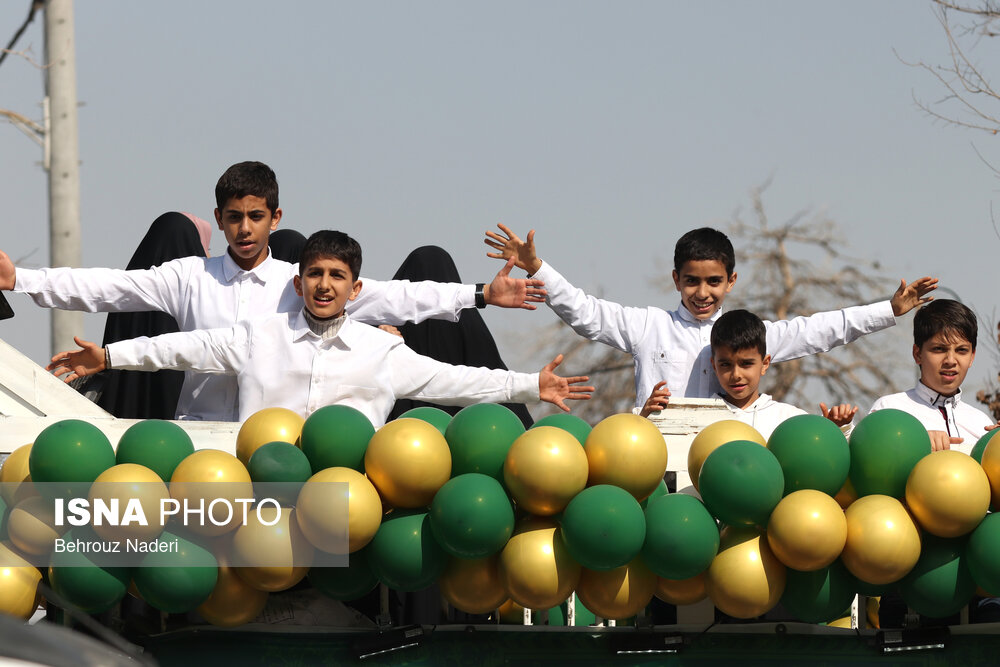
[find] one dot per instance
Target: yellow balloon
(846, 495)
(270, 552)
(991, 466)
(18, 583)
(535, 567)
(545, 467)
(511, 613)
(883, 542)
(872, 608)
(627, 450)
(408, 460)
(268, 425)
(681, 591)
(844, 622)
(122, 484)
(214, 480)
(618, 593)
(715, 435)
(948, 493)
(473, 585)
(31, 526)
(745, 578)
(338, 507)
(807, 530)
(13, 473)
(233, 602)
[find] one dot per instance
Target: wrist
(482, 295)
(533, 266)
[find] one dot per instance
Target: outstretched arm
(841, 415)
(555, 389)
(7, 272)
(508, 292)
(509, 245)
(657, 400)
(908, 297)
(73, 364)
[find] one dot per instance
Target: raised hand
(841, 415)
(908, 297)
(508, 292)
(657, 400)
(555, 389)
(89, 359)
(510, 245)
(7, 272)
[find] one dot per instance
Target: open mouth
(323, 300)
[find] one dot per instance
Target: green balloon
(578, 427)
(660, 491)
(479, 437)
(471, 516)
(336, 436)
(682, 538)
(71, 451)
(603, 527)
(940, 584)
(179, 578)
(740, 483)
(980, 446)
(885, 446)
(981, 552)
(403, 552)
(436, 417)
(582, 615)
(159, 445)
(75, 576)
(813, 454)
(345, 583)
(278, 470)
(819, 596)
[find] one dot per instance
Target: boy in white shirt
(944, 347)
(670, 349)
(245, 283)
(319, 355)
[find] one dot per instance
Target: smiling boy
(944, 347)
(319, 355)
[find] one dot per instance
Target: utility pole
(62, 157)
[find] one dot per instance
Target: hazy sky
(610, 127)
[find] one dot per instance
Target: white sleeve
(401, 301)
(216, 351)
(595, 319)
(821, 332)
(419, 377)
(107, 290)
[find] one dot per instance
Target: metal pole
(64, 169)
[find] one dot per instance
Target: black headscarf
(286, 245)
(467, 342)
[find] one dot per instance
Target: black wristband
(480, 296)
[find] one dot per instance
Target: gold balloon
(511, 613)
(268, 425)
(545, 467)
(18, 583)
(618, 593)
(745, 578)
(807, 530)
(872, 608)
(338, 507)
(408, 460)
(991, 466)
(846, 495)
(844, 622)
(948, 493)
(31, 526)
(121, 484)
(681, 591)
(233, 601)
(206, 476)
(627, 450)
(473, 585)
(13, 473)
(271, 557)
(535, 567)
(714, 436)
(883, 542)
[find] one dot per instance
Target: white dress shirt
(764, 414)
(280, 362)
(940, 413)
(207, 293)
(675, 346)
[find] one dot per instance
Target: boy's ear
(355, 291)
(766, 361)
(275, 219)
(218, 218)
(916, 354)
(732, 281)
(676, 276)
(297, 282)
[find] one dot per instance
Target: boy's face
(326, 285)
(247, 224)
(703, 285)
(739, 373)
(944, 362)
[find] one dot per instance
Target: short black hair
(704, 243)
(327, 243)
(739, 330)
(254, 179)
(945, 316)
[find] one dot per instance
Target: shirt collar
(231, 269)
(687, 316)
(762, 402)
(348, 334)
(936, 400)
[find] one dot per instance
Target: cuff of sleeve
(882, 317)
(543, 272)
(26, 280)
(467, 297)
(524, 388)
